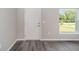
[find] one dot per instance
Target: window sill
(70, 33)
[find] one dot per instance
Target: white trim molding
(52, 39)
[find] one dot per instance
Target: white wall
(50, 29)
(20, 23)
(50, 25)
(7, 27)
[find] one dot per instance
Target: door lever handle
(38, 23)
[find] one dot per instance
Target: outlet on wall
(0, 46)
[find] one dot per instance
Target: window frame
(76, 23)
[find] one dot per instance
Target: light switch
(48, 33)
(44, 22)
(0, 46)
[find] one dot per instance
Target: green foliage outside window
(67, 20)
(68, 16)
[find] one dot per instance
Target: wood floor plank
(37, 45)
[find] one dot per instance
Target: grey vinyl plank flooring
(37, 45)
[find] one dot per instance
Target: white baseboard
(59, 39)
(21, 39)
(27, 39)
(12, 45)
(52, 39)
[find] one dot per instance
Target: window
(67, 20)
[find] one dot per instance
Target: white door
(32, 23)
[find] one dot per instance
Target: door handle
(39, 23)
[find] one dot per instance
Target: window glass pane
(67, 20)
